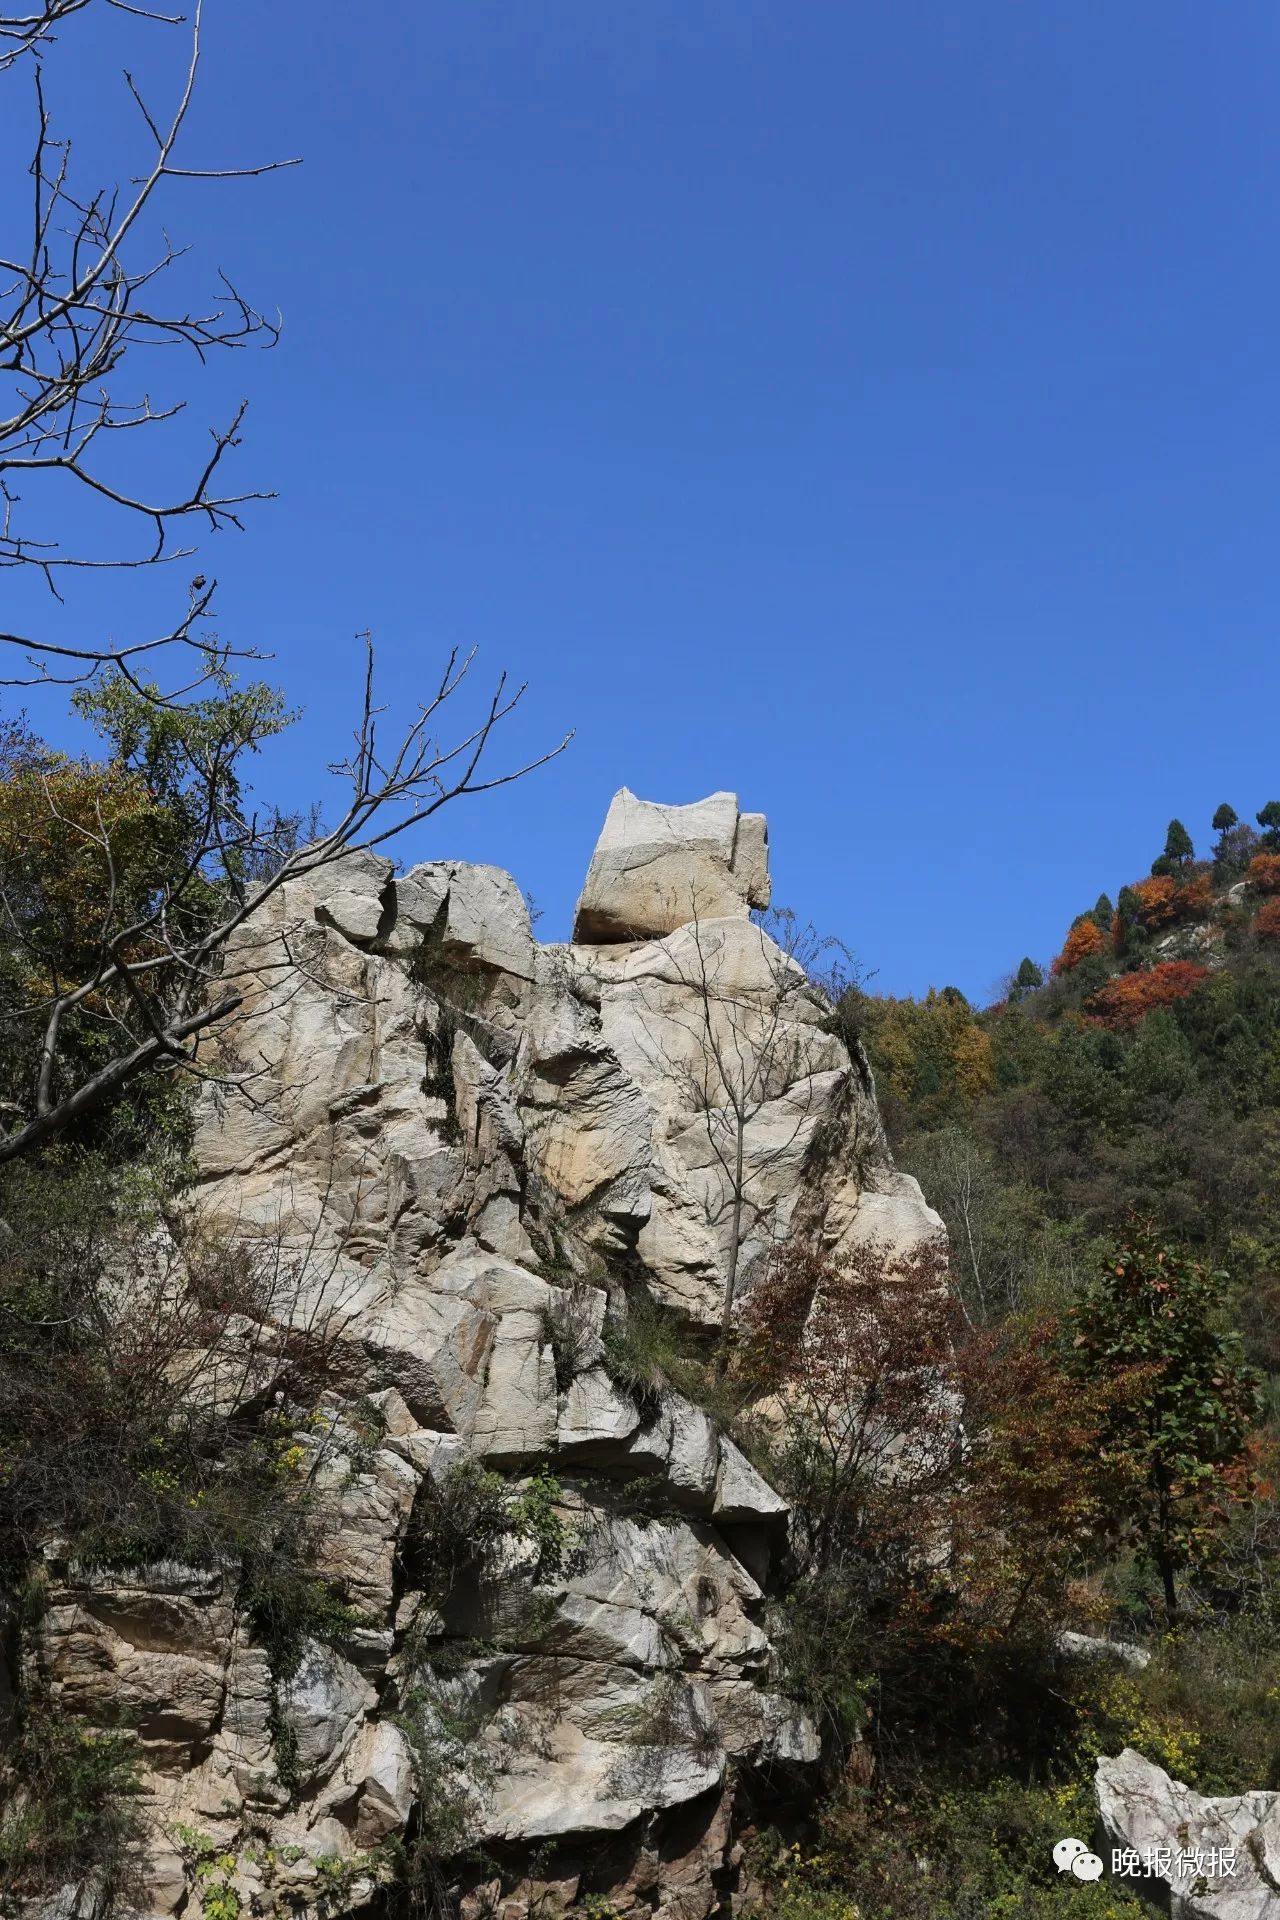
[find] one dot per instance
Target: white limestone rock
(595, 1418)
(476, 915)
(144, 1647)
(1087, 1646)
(323, 1704)
(1141, 1809)
(349, 894)
(456, 1188)
(694, 1454)
(657, 867)
(742, 1494)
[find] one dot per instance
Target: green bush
(940, 1853)
(68, 1807)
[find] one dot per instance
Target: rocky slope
(467, 1152)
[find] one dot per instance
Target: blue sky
(873, 409)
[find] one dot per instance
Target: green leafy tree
(1103, 913)
(1225, 818)
(1268, 817)
(1178, 847)
(1131, 930)
(1157, 1322)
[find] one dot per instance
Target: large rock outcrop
(1192, 1857)
(472, 1154)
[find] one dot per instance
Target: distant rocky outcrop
(472, 1151)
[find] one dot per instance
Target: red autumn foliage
(858, 1353)
(1125, 1001)
(955, 1462)
(1084, 938)
(1267, 924)
(1040, 1490)
(1195, 899)
(1264, 872)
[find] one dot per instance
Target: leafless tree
(90, 295)
(1003, 1252)
(33, 28)
(750, 1029)
(148, 974)
(88, 301)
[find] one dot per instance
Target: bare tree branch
(82, 309)
(154, 968)
(747, 1053)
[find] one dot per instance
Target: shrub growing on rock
(68, 1809)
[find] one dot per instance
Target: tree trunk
(735, 1241)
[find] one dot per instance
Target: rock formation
(1193, 1858)
(475, 1154)
(655, 868)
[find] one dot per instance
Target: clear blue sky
(871, 408)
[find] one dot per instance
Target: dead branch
(83, 306)
(158, 970)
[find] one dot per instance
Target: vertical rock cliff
(473, 1159)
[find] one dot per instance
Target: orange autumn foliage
(1085, 938)
(1157, 897)
(935, 1042)
(1267, 924)
(1039, 1489)
(1125, 1001)
(1264, 872)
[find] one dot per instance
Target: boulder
(1087, 1646)
(658, 867)
(1193, 1858)
(350, 894)
(474, 916)
(144, 1648)
(595, 1418)
(742, 1494)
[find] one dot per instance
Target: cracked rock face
(1193, 1858)
(473, 1152)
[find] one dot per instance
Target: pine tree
(1225, 818)
(1027, 979)
(1178, 848)
(1104, 913)
(1269, 817)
